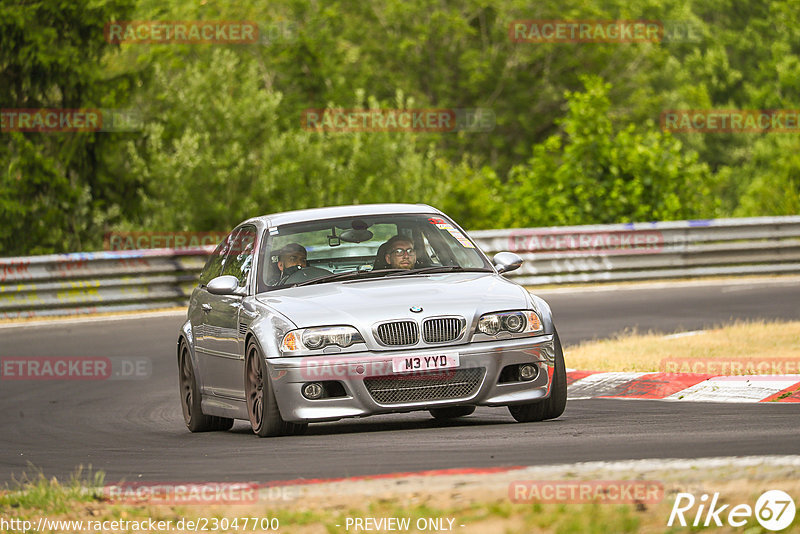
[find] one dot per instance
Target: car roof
(288, 217)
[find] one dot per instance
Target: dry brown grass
(756, 342)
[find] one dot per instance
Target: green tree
(223, 137)
(596, 172)
(211, 162)
(775, 186)
(54, 189)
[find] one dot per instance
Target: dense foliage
(577, 137)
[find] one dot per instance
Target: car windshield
(373, 246)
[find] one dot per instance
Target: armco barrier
(141, 279)
(640, 251)
(97, 281)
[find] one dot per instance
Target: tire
(553, 406)
(193, 416)
(443, 414)
(262, 408)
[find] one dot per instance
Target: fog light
(313, 390)
(528, 371)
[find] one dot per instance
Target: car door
(223, 350)
(200, 306)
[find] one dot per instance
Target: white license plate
(405, 364)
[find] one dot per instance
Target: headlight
(320, 337)
(516, 322)
(489, 324)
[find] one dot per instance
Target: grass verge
(467, 504)
(773, 344)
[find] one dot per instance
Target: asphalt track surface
(133, 429)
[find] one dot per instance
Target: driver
(293, 265)
(291, 255)
(400, 253)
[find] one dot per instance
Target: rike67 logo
(774, 510)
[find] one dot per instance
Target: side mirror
(224, 285)
(506, 262)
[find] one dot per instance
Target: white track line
(93, 319)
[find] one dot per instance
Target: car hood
(365, 302)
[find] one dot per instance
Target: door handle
(206, 307)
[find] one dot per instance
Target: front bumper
(356, 371)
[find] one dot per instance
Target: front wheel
(262, 408)
(554, 405)
(193, 416)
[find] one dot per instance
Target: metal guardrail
(67, 284)
(646, 251)
(110, 281)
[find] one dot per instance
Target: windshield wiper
(345, 276)
(443, 269)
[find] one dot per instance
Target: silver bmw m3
(321, 314)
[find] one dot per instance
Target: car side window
(239, 259)
(429, 251)
(214, 263)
